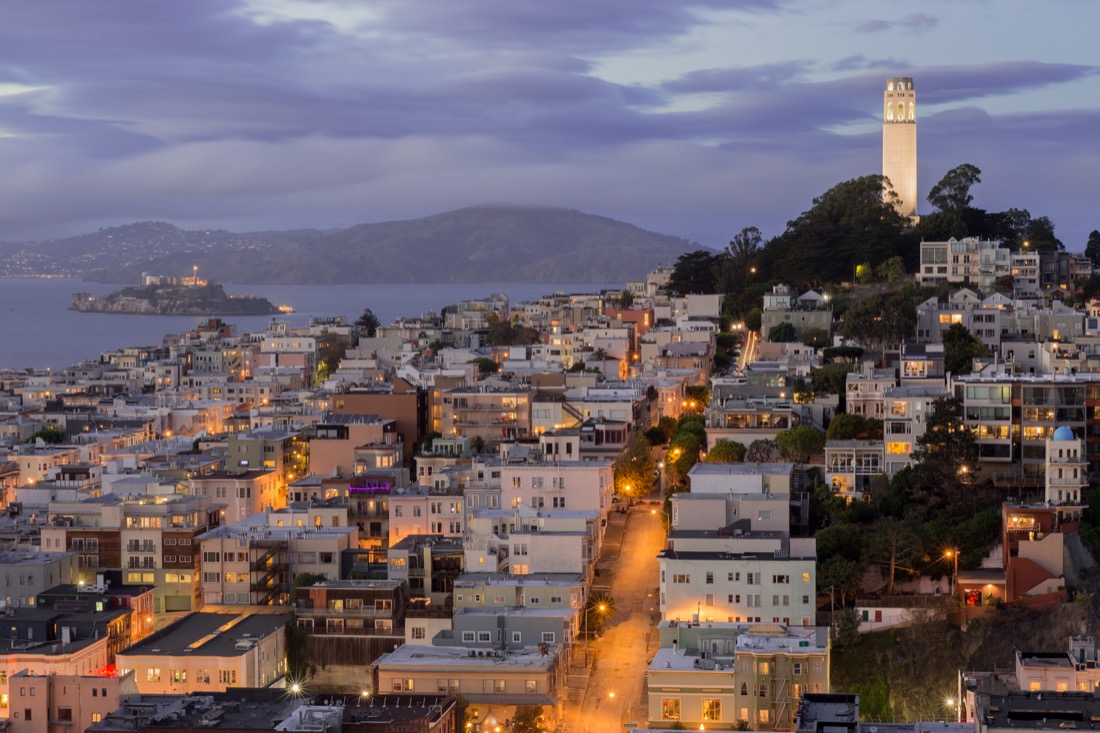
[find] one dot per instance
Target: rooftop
(209, 635)
(410, 655)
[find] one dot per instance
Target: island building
(899, 142)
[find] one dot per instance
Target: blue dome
(1063, 433)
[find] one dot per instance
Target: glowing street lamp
(953, 554)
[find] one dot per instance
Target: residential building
(850, 465)
(25, 574)
(490, 413)
(150, 538)
(865, 390)
(254, 561)
(738, 575)
(811, 310)
(532, 676)
(210, 652)
(59, 702)
(713, 675)
(428, 565)
(904, 422)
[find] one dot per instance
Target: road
(621, 655)
(748, 351)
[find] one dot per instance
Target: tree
(864, 273)
(52, 436)
(368, 323)
(783, 332)
(634, 468)
(485, 365)
(815, 337)
(799, 443)
(844, 576)
(726, 451)
(951, 194)
(945, 457)
(762, 451)
(849, 426)
(879, 321)
(893, 544)
(694, 272)
(960, 348)
(737, 262)
(528, 719)
(1092, 248)
(891, 269)
(752, 319)
(853, 222)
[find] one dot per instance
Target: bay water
(37, 330)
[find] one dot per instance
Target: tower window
(901, 110)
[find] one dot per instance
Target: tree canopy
(960, 348)
(726, 451)
(853, 222)
(368, 323)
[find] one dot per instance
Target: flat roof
(740, 469)
(410, 655)
(471, 579)
(1044, 710)
(209, 635)
(33, 558)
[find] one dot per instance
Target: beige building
(37, 702)
(254, 562)
(899, 142)
(209, 652)
(716, 675)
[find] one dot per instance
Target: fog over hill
(476, 244)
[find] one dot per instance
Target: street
(621, 654)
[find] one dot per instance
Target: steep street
(614, 693)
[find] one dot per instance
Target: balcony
(365, 612)
(140, 547)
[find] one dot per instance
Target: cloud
(917, 22)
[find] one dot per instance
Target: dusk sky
(689, 118)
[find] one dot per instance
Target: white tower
(1067, 472)
(899, 141)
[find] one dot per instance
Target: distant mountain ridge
(475, 244)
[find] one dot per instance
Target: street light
(601, 608)
(953, 554)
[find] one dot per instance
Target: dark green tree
(799, 444)
(1092, 248)
(815, 337)
(891, 269)
(762, 451)
(879, 321)
(893, 544)
(368, 323)
(853, 222)
(485, 365)
(783, 332)
(694, 273)
(528, 719)
(634, 468)
(951, 194)
(844, 576)
(960, 348)
(52, 436)
(736, 263)
(726, 451)
(849, 426)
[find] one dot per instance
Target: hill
(476, 244)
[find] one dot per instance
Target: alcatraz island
(159, 295)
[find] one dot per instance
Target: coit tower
(899, 141)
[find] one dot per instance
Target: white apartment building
(865, 390)
(572, 485)
(906, 418)
(737, 587)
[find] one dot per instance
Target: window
(531, 686)
(670, 708)
(418, 632)
(65, 715)
(96, 717)
(712, 709)
(26, 713)
(710, 579)
(548, 637)
(467, 636)
(152, 674)
(764, 716)
(483, 636)
(683, 578)
(764, 668)
(517, 637)
(744, 689)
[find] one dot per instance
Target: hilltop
(476, 244)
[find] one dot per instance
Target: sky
(695, 118)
